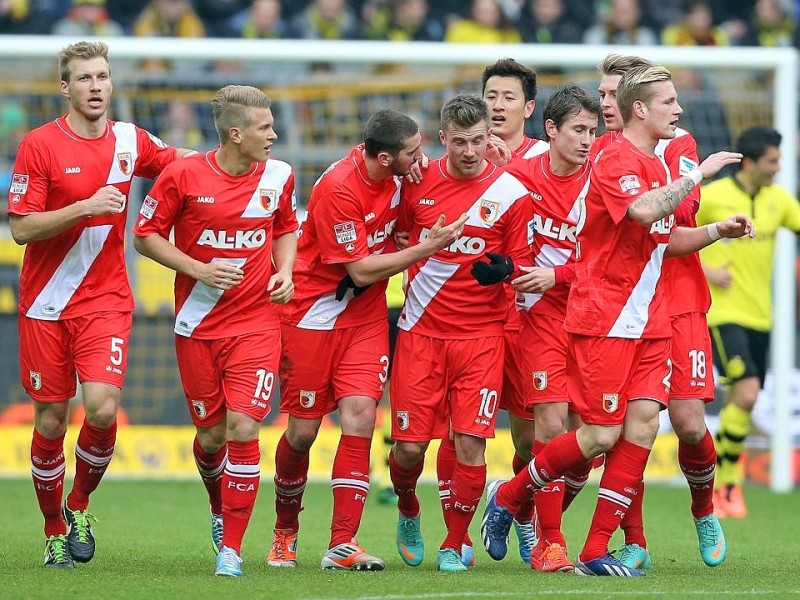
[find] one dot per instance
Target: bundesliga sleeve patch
(19, 184)
(629, 184)
(148, 207)
(685, 164)
(345, 232)
(156, 140)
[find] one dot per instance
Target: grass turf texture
(153, 542)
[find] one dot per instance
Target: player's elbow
(19, 234)
(361, 279)
(140, 244)
(643, 215)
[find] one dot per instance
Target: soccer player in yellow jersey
(739, 273)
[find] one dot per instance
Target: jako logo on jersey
(369, 217)
(489, 211)
(199, 408)
(232, 241)
(629, 184)
(402, 420)
(663, 225)
(308, 398)
(464, 244)
(537, 197)
(560, 231)
(72, 170)
(205, 199)
(125, 163)
(539, 380)
(378, 237)
(427, 201)
(610, 402)
(36, 380)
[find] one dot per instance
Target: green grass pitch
(153, 542)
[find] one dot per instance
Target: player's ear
(64, 88)
(384, 158)
(640, 109)
(529, 106)
(442, 138)
(550, 128)
(235, 135)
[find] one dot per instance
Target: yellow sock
(734, 425)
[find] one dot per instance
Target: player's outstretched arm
(216, 274)
(686, 240)
(280, 285)
(33, 227)
(654, 205)
(382, 266)
(535, 280)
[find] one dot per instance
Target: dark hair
(753, 142)
(508, 67)
(568, 101)
(465, 110)
(387, 131)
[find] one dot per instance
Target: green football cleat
(410, 544)
(449, 561)
(56, 553)
(216, 532)
(711, 540)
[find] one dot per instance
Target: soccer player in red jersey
(692, 382)
(335, 330)
(68, 202)
(450, 345)
(617, 318)
(558, 181)
(233, 214)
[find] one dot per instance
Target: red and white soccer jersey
(80, 270)
(217, 216)
(350, 217)
(617, 290)
(687, 287)
(443, 300)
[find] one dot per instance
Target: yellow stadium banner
(161, 451)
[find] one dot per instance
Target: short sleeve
(619, 185)
(339, 224)
(161, 207)
(154, 154)
(30, 181)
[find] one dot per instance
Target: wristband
(696, 176)
(713, 232)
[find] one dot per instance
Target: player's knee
(101, 415)
(51, 421)
(301, 433)
(408, 454)
(689, 431)
(604, 439)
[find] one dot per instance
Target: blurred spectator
(547, 22)
(696, 28)
(169, 18)
(487, 25)
(13, 127)
(326, 20)
(403, 21)
(660, 14)
(770, 26)
(621, 24)
(217, 15)
(87, 18)
(182, 128)
(125, 12)
(22, 17)
(733, 16)
(263, 21)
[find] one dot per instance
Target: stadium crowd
(769, 23)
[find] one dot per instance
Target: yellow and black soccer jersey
(748, 301)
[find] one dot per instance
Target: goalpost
(782, 63)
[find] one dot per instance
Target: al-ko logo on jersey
(629, 184)
(269, 200)
(489, 210)
(125, 163)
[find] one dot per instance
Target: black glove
(345, 284)
(496, 270)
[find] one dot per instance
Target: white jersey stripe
(508, 189)
(548, 257)
(66, 280)
(266, 195)
(634, 315)
(323, 313)
(199, 303)
(126, 144)
(425, 285)
(540, 147)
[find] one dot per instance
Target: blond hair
(636, 85)
(230, 105)
(619, 64)
(80, 51)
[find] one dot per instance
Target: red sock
(574, 481)
(93, 452)
(47, 471)
(549, 500)
(466, 490)
(698, 464)
(405, 485)
(210, 466)
(445, 465)
(558, 456)
(291, 474)
(240, 479)
(525, 511)
(350, 483)
(633, 522)
(618, 488)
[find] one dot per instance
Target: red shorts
(319, 368)
(515, 381)
(546, 359)
(441, 384)
(605, 373)
(692, 372)
(236, 374)
(51, 352)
